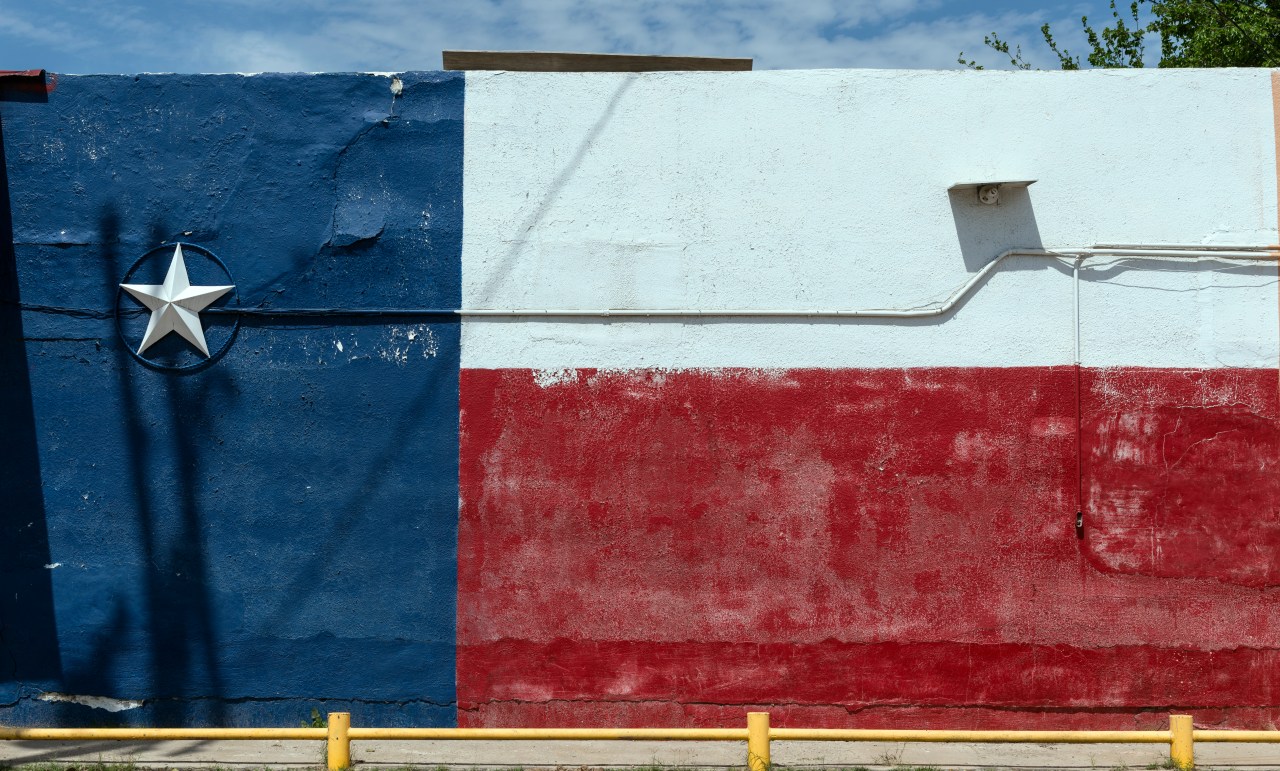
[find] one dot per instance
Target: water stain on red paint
(1183, 475)
(849, 541)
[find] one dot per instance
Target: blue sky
(118, 36)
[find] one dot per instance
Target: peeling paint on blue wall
(277, 531)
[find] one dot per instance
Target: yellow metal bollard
(1182, 748)
(339, 746)
(758, 741)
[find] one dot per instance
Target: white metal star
(175, 305)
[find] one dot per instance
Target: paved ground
(468, 754)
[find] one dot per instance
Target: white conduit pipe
(1075, 306)
(938, 309)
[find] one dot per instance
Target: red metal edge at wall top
(27, 81)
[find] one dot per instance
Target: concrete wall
(275, 532)
(554, 521)
(868, 521)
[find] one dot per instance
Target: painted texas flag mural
(541, 400)
(868, 521)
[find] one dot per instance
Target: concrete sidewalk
(469, 754)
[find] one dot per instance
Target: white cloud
(54, 33)
(253, 51)
(317, 35)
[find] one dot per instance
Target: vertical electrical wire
(1075, 307)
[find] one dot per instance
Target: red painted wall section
(867, 547)
(1182, 473)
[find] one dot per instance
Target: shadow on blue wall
(28, 631)
(177, 616)
(275, 532)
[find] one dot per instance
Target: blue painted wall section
(276, 531)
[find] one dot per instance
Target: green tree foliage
(1191, 33)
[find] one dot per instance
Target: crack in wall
(31, 693)
(284, 699)
(476, 706)
(766, 646)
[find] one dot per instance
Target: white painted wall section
(828, 189)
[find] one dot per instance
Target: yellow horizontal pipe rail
(1180, 737)
(981, 737)
(534, 734)
(657, 734)
(159, 734)
(1236, 736)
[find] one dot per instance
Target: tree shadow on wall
(176, 607)
(413, 419)
(28, 629)
(157, 642)
(502, 270)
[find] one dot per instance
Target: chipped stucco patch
(97, 702)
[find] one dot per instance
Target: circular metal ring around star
(234, 300)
